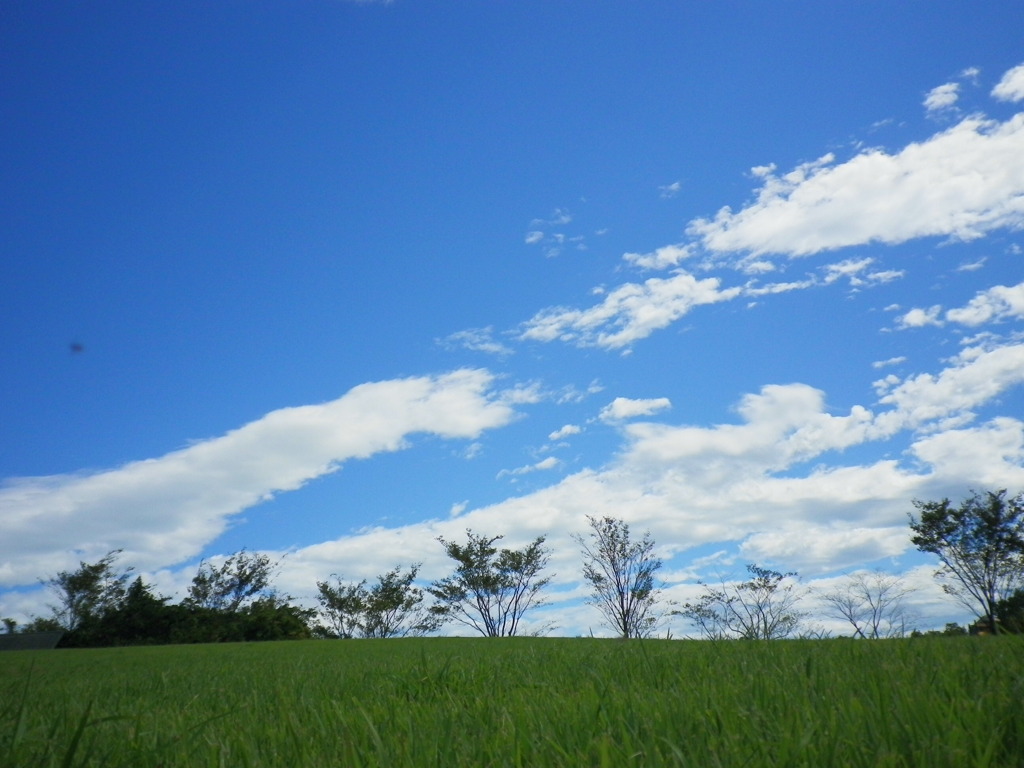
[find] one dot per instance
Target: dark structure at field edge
(30, 641)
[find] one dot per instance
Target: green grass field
(447, 702)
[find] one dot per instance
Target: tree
(139, 618)
(620, 573)
(271, 617)
(393, 607)
(872, 604)
(342, 605)
(980, 545)
(89, 592)
(1011, 612)
(490, 590)
(952, 629)
(761, 608)
(243, 577)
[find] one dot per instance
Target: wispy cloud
(563, 432)
(948, 399)
(993, 305)
(1011, 86)
(890, 361)
(731, 483)
(181, 501)
(633, 311)
(630, 312)
(998, 303)
(972, 266)
(857, 273)
(476, 339)
(544, 233)
(961, 183)
(660, 258)
(622, 408)
(544, 464)
(670, 190)
(942, 97)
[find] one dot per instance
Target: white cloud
(918, 318)
(947, 400)
(752, 289)
(694, 485)
(560, 216)
(961, 183)
(476, 339)
(1011, 86)
(553, 243)
(825, 548)
(629, 313)
(564, 432)
(972, 266)
(850, 268)
(890, 361)
(661, 258)
(670, 190)
(758, 267)
(634, 311)
(997, 303)
(549, 463)
(731, 485)
(942, 97)
(164, 510)
(627, 408)
(856, 272)
(977, 457)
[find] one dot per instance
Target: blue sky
(331, 279)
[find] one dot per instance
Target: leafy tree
(98, 609)
(491, 589)
(393, 607)
(10, 625)
(88, 592)
(762, 608)
(620, 573)
(952, 629)
(342, 605)
(980, 544)
(273, 618)
(140, 618)
(40, 624)
(873, 604)
(241, 578)
(1011, 612)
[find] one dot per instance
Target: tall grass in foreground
(519, 702)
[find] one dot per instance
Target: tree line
(491, 589)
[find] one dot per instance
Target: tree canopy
(980, 543)
(491, 589)
(620, 572)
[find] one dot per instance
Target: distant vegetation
(979, 544)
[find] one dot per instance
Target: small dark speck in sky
(76, 347)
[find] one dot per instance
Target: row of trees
(979, 543)
(980, 547)
(101, 604)
(490, 591)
